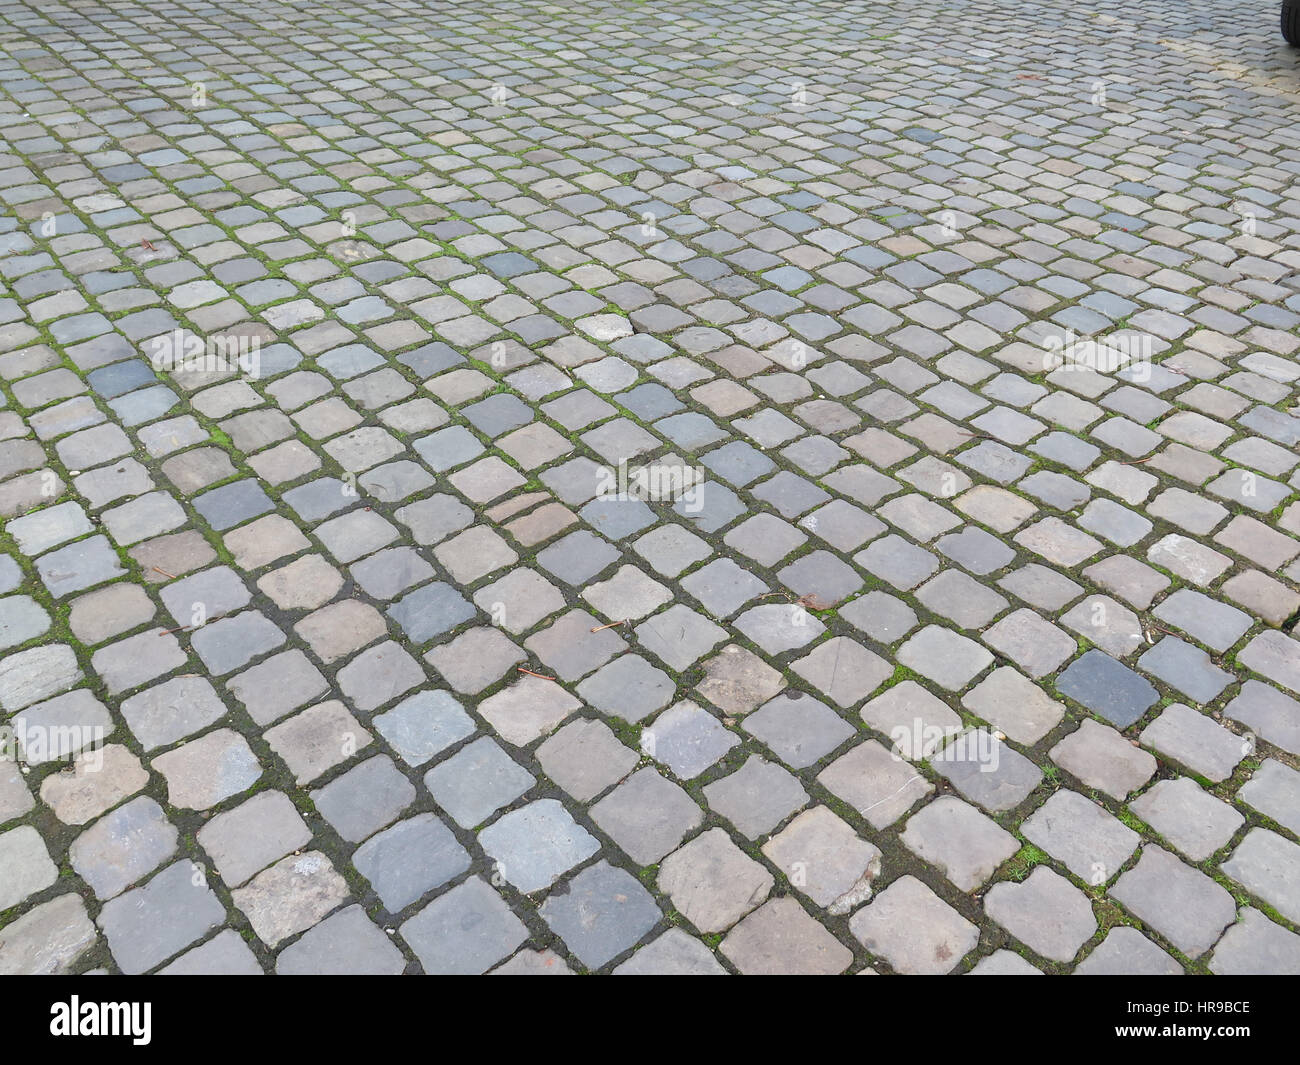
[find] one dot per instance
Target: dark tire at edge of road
(1291, 22)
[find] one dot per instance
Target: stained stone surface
(1045, 912)
(914, 930)
(640, 507)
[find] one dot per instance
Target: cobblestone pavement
(629, 487)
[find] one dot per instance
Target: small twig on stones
(611, 625)
(540, 676)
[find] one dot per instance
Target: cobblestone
(1045, 912)
(1179, 902)
(661, 498)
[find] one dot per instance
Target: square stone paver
(1101, 758)
(365, 798)
(757, 797)
(149, 924)
(1192, 820)
(963, 843)
(1274, 790)
(1045, 912)
(604, 913)
(291, 896)
(844, 670)
(1014, 705)
(629, 687)
(879, 785)
(687, 739)
(204, 772)
(407, 861)
(712, 882)
(675, 953)
(476, 659)
(1179, 902)
(737, 681)
(1107, 687)
(1127, 952)
(535, 844)
(987, 770)
(1256, 946)
(825, 859)
(314, 741)
(1267, 864)
(527, 709)
(917, 723)
(679, 636)
(346, 943)
(476, 781)
(585, 757)
(570, 648)
(950, 660)
(1197, 741)
(1081, 835)
(124, 847)
(780, 939)
(914, 930)
(647, 815)
(798, 729)
(464, 931)
(245, 840)
(27, 866)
